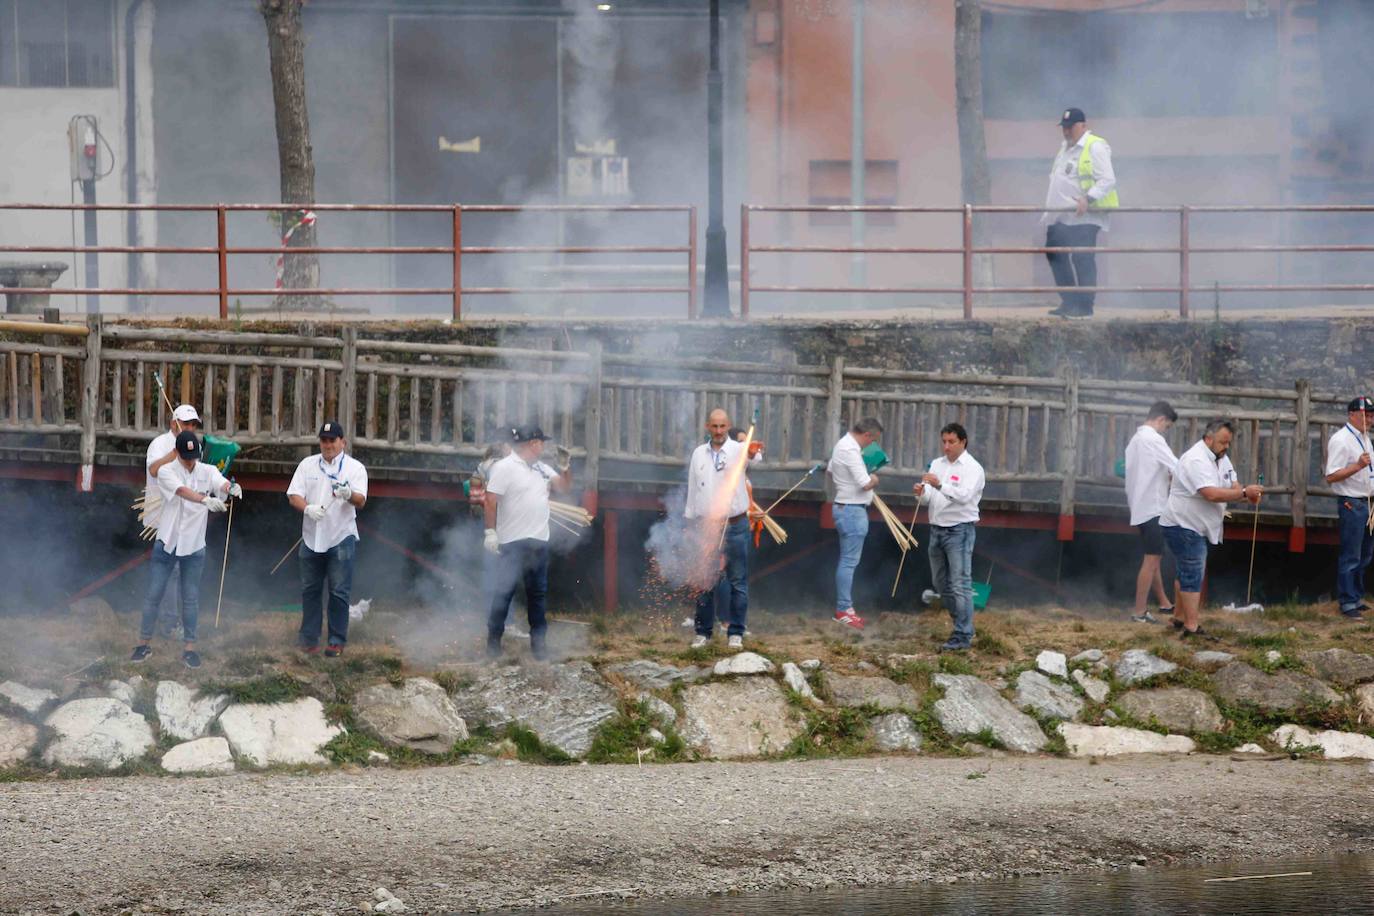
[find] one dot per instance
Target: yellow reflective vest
(1109, 200)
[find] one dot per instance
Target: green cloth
(874, 457)
(1119, 469)
(220, 452)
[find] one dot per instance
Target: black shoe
(333, 650)
(141, 653)
(539, 650)
(1355, 613)
(191, 658)
(1060, 312)
(493, 647)
(1199, 633)
(1079, 313)
(953, 646)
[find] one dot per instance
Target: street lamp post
(716, 298)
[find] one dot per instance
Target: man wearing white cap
(328, 489)
(161, 452)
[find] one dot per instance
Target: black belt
(860, 505)
(736, 518)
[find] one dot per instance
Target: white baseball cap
(186, 413)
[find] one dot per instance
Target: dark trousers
(335, 565)
(1357, 549)
(736, 549)
(1076, 269)
(524, 561)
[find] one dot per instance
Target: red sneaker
(849, 619)
(310, 650)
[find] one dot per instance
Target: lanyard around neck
(1363, 447)
(325, 467)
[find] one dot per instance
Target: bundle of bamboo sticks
(569, 518)
(899, 531)
(774, 530)
(145, 504)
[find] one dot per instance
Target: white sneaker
(735, 642)
(700, 641)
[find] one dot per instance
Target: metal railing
(456, 251)
(969, 251)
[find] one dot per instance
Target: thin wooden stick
(224, 567)
(914, 512)
(805, 478)
(287, 555)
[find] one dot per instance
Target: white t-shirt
(522, 509)
(961, 488)
(1198, 468)
(181, 527)
(156, 449)
(1345, 447)
(314, 482)
(847, 470)
(706, 471)
(1149, 464)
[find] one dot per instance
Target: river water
(1328, 885)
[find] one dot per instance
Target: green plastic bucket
(981, 592)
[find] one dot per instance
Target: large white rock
(268, 733)
(17, 739)
(744, 663)
(1179, 709)
(1364, 698)
(183, 713)
(1052, 662)
(1136, 665)
(1113, 741)
(1087, 655)
(1335, 745)
(970, 706)
(203, 755)
(742, 718)
(895, 732)
(1210, 659)
(125, 691)
(417, 715)
(30, 699)
(1036, 692)
(1096, 689)
(793, 677)
(97, 732)
(881, 692)
(563, 704)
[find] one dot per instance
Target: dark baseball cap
(1072, 116)
(188, 446)
(528, 434)
(331, 430)
(1360, 403)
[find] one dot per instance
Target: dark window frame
(14, 75)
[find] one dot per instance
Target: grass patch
(831, 732)
(620, 740)
(530, 749)
(249, 663)
(452, 681)
(992, 645)
(954, 663)
(276, 688)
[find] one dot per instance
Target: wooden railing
(1046, 441)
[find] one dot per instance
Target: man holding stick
(1351, 477)
(1204, 483)
(717, 494)
(854, 487)
(327, 489)
(1149, 465)
(516, 512)
(162, 451)
(187, 487)
(952, 488)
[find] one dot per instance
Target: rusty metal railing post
(222, 244)
(968, 261)
(457, 263)
(1184, 270)
(743, 261)
(692, 262)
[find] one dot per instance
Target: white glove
(314, 512)
(564, 459)
(214, 504)
(490, 543)
(236, 491)
(343, 491)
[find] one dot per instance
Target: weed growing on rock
(276, 688)
(992, 645)
(531, 750)
(452, 681)
(620, 740)
(956, 664)
(831, 732)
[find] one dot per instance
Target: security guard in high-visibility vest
(1082, 192)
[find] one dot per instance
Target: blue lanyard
(1350, 429)
(325, 467)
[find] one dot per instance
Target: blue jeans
(1189, 550)
(736, 549)
(851, 523)
(162, 564)
(951, 566)
(524, 561)
(1357, 549)
(336, 565)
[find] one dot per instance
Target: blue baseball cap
(331, 430)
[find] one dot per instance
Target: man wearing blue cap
(1082, 192)
(1351, 477)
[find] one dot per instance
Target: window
(56, 43)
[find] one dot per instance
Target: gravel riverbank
(477, 838)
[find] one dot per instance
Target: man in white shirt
(952, 488)
(854, 487)
(1150, 464)
(161, 451)
(1351, 477)
(717, 497)
(1202, 486)
(327, 489)
(516, 511)
(187, 487)
(1082, 192)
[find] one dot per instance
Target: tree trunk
(286, 49)
(973, 148)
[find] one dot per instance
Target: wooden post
(1302, 459)
(968, 262)
(90, 404)
(833, 403)
(592, 468)
(1068, 455)
(457, 263)
(348, 381)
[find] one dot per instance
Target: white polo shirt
(314, 482)
(1149, 465)
(181, 526)
(707, 470)
(159, 447)
(1344, 448)
(961, 488)
(522, 512)
(1198, 468)
(847, 470)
